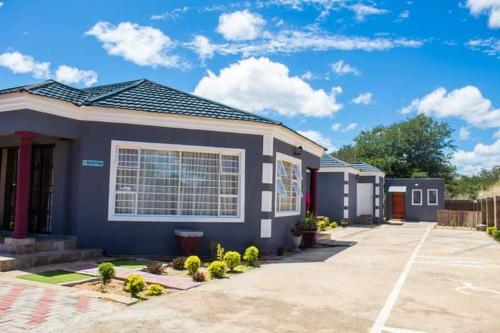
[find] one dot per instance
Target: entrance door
(398, 205)
(10, 177)
(42, 188)
(364, 199)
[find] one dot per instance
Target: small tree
(135, 284)
(192, 264)
(220, 252)
(251, 255)
(232, 259)
(106, 272)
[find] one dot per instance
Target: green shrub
(192, 264)
(178, 263)
(155, 267)
(333, 225)
(220, 252)
(490, 230)
(217, 269)
(251, 255)
(199, 277)
(496, 234)
(326, 219)
(321, 225)
(135, 284)
(232, 259)
(154, 290)
(106, 272)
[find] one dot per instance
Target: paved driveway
(396, 278)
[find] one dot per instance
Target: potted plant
(297, 236)
(309, 231)
(343, 223)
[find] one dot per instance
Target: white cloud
(350, 127)
(336, 127)
(240, 25)
(142, 45)
(260, 85)
(481, 157)
(172, 15)
(363, 98)
(340, 68)
(405, 14)
(20, 63)
(73, 75)
(488, 7)
(489, 46)
(203, 47)
(496, 135)
(464, 133)
(466, 103)
(307, 75)
(319, 138)
(362, 11)
(1, 4)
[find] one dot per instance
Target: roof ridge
(116, 91)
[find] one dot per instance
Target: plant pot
(308, 238)
(297, 240)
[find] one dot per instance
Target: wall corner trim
(267, 201)
(265, 228)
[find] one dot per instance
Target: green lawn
(130, 263)
(55, 276)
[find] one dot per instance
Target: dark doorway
(10, 188)
(398, 205)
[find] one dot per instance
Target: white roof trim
(341, 169)
(397, 189)
(17, 101)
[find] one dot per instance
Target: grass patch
(55, 277)
(130, 263)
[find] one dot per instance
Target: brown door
(398, 205)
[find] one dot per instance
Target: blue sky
(327, 68)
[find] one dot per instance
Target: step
(39, 245)
(19, 261)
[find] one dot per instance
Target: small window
(432, 197)
(288, 185)
(416, 197)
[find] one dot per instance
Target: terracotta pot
(308, 238)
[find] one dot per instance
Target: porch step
(19, 261)
(364, 219)
(40, 245)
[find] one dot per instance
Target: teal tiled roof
(328, 161)
(365, 167)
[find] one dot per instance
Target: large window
(288, 185)
(416, 197)
(432, 197)
(175, 183)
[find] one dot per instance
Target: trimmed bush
(178, 263)
(321, 225)
(192, 264)
(155, 267)
(496, 234)
(135, 284)
(490, 230)
(106, 272)
(217, 269)
(333, 225)
(232, 259)
(154, 290)
(251, 255)
(199, 277)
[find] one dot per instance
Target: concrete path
(408, 278)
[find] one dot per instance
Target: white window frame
(293, 160)
(428, 196)
(413, 197)
(115, 145)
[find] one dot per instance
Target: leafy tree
(417, 147)
(468, 187)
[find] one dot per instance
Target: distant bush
(232, 259)
(321, 225)
(199, 277)
(178, 263)
(106, 272)
(135, 284)
(251, 255)
(192, 264)
(490, 230)
(155, 267)
(217, 269)
(154, 290)
(496, 234)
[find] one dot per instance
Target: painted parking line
(379, 324)
(399, 330)
(458, 262)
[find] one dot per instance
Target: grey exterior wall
(331, 195)
(424, 212)
(81, 193)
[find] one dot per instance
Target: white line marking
(458, 264)
(393, 296)
(400, 330)
(455, 258)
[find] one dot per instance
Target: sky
(326, 68)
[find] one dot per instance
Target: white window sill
(282, 214)
(175, 219)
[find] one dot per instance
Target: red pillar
(23, 184)
(314, 191)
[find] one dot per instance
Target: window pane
(432, 196)
(229, 206)
(125, 203)
(128, 158)
(126, 180)
(229, 184)
(230, 164)
(417, 197)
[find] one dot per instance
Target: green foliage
(155, 267)
(199, 276)
(192, 264)
(220, 252)
(309, 221)
(333, 225)
(178, 263)
(217, 269)
(135, 284)
(154, 290)
(326, 219)
(322, 225)
(251, 255)
(232, 259)
(490, 230)
(106, 272)
(496, 234)
(418, 146)
(468, 187)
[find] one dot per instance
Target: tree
(468, 187)
(417, 147)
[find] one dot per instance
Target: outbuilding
(122, 166)
(414, 199)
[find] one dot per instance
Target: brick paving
(24, 307)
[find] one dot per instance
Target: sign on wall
(93, 163)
